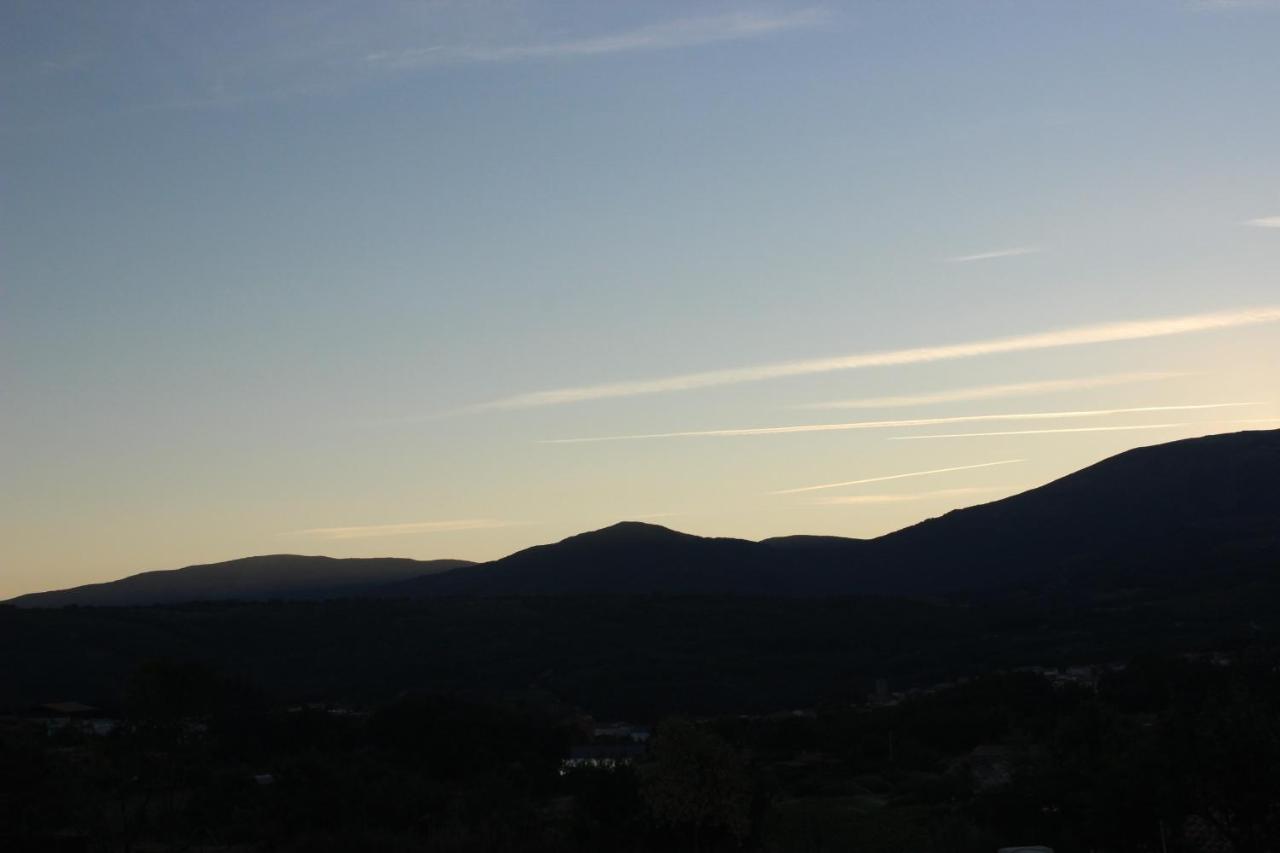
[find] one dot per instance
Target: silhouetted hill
(1143, 515)
(629, 558)
(1172, 549)
(1148, 516)
(277, 576)
(1208, 504)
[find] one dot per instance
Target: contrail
(991, 392)
(371, 530)
(912, 422)
(894, 477)
(1084, 429)
(1041, 431)
(915, 496)
(1077, 336)
(999, 253)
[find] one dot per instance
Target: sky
(438, 279)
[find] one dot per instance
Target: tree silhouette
(697, 782)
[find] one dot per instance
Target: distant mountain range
(1143, 516)
(276, 576)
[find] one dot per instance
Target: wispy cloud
(279, 51)
(1230, 5)
(864, 500)
(415, 527)
(1235, 422)
(1122, 428)
(909, 422)
(685, 32)
(991, 392)
(1265, 222)
(894, 477)
(998, 253)
(1077, 336)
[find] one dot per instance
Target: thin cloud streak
(1077, 336)
(1236, 422)
(309, 50)
(991, 392)
(685, 32)
(895, 477)
(1236, 5)
(999, 253)
(862, 500)
(911, 422)
(1042, 431)
(416, 527)
(1265, 222)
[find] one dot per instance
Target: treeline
(1166, 754)
(627, 657)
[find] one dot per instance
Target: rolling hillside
(1148, 515)
(278, 576)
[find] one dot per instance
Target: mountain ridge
(1167, 508)
(1145, 513)
(260, 577)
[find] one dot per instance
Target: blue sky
(339, 278)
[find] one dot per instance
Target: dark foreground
(1160, 753)
(1136, 718)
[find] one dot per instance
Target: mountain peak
(630, 535)
(626, 532)
(1144, 516)
(1140, 517)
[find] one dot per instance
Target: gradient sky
(358, 278)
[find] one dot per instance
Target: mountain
(277, 576)
(1153, 515)
(1201, 504)
(1150, 513)
(631, 558)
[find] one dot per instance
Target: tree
(1227, 758)
(696, 781)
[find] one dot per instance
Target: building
(606, 756)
